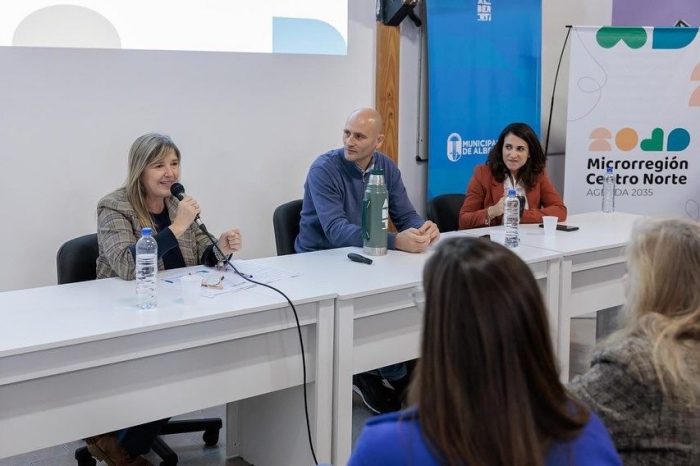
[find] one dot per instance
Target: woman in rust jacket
(515, 162)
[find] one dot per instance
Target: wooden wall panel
(387, 86)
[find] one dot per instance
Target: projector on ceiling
(392, 12)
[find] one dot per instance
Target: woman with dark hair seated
(486, 389)
(644, 380)
(515, 162)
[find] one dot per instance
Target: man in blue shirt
(331, 217)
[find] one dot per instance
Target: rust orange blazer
(484, 191)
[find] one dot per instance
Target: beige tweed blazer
(118, 228)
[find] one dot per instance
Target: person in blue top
(486, 389)
(331, 217)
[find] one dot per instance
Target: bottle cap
(377, 171)
(511, 192)
(146, 231)
(608, 170)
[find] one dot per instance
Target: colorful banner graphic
(655, 12)
(483, 73)
(634, 105)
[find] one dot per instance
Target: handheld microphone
(178, 191)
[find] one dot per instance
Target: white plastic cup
(550, 225)
(498, 236)
(191, 287)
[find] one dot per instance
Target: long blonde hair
(146, 150)
(663, 301)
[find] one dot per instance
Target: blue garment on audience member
(331, 216)
(396, 439)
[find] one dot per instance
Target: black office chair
(285, 221)
(76, 262)
(443, 210)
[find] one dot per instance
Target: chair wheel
(211, 437)
(84, 458)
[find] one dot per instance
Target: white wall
(248, 126)
(413, 106)
(556, 14)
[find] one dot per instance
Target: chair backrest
(76, 260)
(443, 210)
(285, 221)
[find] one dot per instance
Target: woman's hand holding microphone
(187, 211)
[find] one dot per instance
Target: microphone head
(177, 190)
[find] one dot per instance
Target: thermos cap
(376, 177)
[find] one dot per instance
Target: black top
(168, 247)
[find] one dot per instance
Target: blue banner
(484, 73)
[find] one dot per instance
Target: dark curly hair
(529, 173)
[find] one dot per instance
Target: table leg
(233, 433)
(552, 301)
(324, 381)
(564, 319)
(342, 373)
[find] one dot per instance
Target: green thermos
(375, 215)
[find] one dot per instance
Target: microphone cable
(296, 318)
(554, 91)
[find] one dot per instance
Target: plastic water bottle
(609, 191)
(146, 269)
(511, 218)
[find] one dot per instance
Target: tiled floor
(583, 334)
(189, 447)
(192, 451)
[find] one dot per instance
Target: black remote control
(358, 258)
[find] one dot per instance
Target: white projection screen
(260, 26)
(251, 95)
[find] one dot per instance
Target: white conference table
(377, 322)
(80, 359)
(76, 360)
(593, 262)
